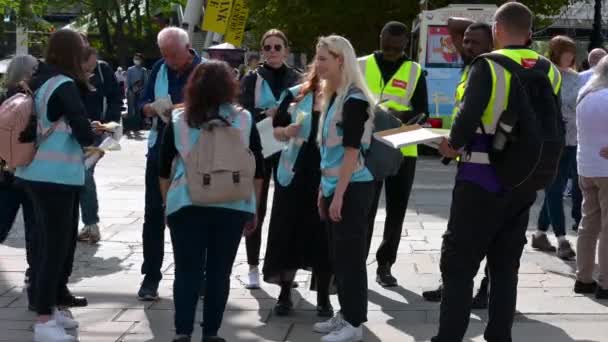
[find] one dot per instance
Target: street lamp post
(596, 34)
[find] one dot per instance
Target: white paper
(270, 145)
(414, 137)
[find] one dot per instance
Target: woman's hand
(335, 209)
(321, 205)
(292, 130)
(250, 226)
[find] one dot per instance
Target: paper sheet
(410, 135)
(270, 145)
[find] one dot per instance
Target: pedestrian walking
(592, 127)
(297, 238)
(137, 77)
(165, 88)
(345, 198)
(206, 235)
(496, 183)
(260, 92)
(54, 179)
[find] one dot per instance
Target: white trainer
(347, 333)
(64, 319)
(331, 325)
(253, 279)
(51, 332)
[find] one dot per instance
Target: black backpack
(530, 134)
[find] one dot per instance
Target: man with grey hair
(594, 58)
(164, 88)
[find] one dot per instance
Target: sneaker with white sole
(347, 333)
(51, 332)
(64, 319)
(94, 234)
(253, 280)
(331, 325)
(84, 234)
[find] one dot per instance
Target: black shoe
(182, 339)
(213, 339)
(384, 276)
(71, 301)
(31, 307)
(326, 311)
(148, 292)
(283, 308)
(601, 293)
(575, 227)
(481, 300)
(585, 288)
(434, 295)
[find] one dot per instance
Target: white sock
(539, 233)
(254, 269)
(561, 238)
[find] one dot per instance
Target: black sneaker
(542, 244)
(326, 311)
(601, 293)
(585, 288)
(71, 301)
(213, 339)
(148, 292)
(433, 295)
(182, 339)
(481, 300)
(283, 308)
(384, 277)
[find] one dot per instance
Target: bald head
(595, 56)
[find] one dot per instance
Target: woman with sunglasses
(261, 90)
(297, 238)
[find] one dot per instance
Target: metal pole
(596, 34)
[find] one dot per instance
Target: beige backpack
(220, 168)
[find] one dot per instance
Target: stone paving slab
(109, 275)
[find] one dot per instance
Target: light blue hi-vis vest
(332, 150)
(186, 138)
(161, 89)
(264, 98)
(59, 158)
(289, 155)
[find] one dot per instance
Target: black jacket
(109, 89)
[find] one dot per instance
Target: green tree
(358, 20)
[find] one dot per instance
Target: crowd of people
(325, 196)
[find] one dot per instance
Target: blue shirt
(177, 83)
(584, 77)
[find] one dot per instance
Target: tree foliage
(358, 20)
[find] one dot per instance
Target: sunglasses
(277, 48)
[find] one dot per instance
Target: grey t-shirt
(570, 88)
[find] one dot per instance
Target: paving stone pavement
(108, 274)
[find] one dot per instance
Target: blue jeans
(552, 211)
(205, 240)
(89, 205)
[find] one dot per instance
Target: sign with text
(236, 26)
(217, 15)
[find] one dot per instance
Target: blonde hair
(352, 77)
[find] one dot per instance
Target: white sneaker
(347, 333)
(253, 281)
(331, 325)
(51, 332)
(63, 319)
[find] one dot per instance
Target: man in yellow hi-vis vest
(400, 82)
(489, 214)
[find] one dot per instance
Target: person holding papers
(260, 91)
(297, 238)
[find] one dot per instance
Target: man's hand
(149, 111)
(446, 150)
(604, 152)
(271, 112)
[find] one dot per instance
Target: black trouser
(397, 191)
(482, 224)
(347, 249)
(154, 225)
(56, 213)
(253, 243)
(204, 240)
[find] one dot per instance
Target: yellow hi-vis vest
(398, 91)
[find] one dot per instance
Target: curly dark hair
(210, 85)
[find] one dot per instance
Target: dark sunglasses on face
(277, 48)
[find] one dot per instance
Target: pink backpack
(15, 115)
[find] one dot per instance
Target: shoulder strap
(100, 73)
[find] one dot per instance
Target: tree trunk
(138, 19)
(121, 40)
(596, 33)
(104, 32)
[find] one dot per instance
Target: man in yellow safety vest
(400, 82)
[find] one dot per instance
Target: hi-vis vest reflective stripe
(264, 98)
(459, 95)
(161, 89)
(399, 91)
(501, 83)
(289, 155)
(185, 139)
(59, 158)
(332, 150)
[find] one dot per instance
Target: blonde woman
(345, 131)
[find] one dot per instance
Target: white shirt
(592, 128)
